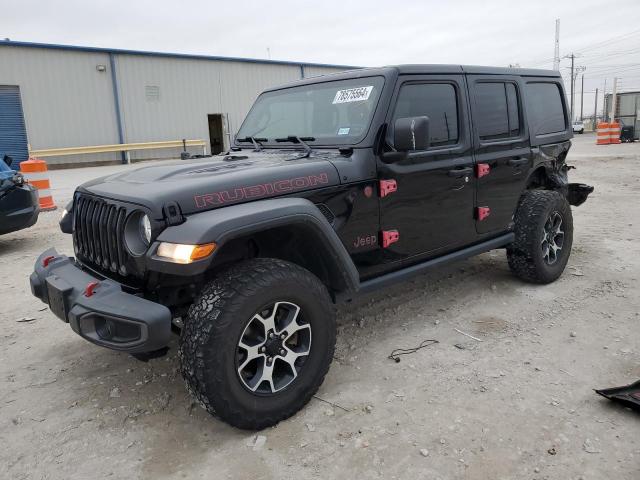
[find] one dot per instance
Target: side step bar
(408, 272)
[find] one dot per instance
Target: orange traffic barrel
(603, 137)
(614, 131)
(35, 171)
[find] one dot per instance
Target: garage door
(13, 134)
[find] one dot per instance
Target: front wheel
(257, 342)
(544, 235)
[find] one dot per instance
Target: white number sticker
(352, 95)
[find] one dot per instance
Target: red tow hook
(47, 260)
(90, 288)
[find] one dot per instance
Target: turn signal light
(179, 253)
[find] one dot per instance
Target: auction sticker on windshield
(357, 94)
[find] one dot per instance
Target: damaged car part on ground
(18, 200)
(629, 395)
(337, 185)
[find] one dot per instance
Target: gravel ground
(517, 403)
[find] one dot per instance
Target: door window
(498, 111)
(435, 100)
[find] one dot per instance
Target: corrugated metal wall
(315, 71)
(188, 90)
(13, 133)
(68, 102)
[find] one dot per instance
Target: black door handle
(517, 161)
(460, 172)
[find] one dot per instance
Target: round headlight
(145, 229)
(137, 233)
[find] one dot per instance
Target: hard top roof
(416, 69)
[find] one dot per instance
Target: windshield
(329, 113)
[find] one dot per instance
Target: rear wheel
(544, 236)
(258, 342)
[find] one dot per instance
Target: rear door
(503, 149)
(432, 208)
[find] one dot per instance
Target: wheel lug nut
(283, 351)
(283, 335)
(270, 334)
(263, 349)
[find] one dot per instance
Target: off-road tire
(216, 321)
(525, 254)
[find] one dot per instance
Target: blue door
(13, 134)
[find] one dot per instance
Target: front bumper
(104, 315)
(18, 208)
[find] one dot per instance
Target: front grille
(98, 234)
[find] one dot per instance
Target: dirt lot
(518, 404)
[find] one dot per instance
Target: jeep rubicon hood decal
(260, 191)
(204, 184)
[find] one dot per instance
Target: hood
(204, 184)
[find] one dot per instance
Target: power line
(584, 49)
(609, 41)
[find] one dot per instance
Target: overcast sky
(363, 33)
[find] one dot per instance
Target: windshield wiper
(301, 141)
(256, 142)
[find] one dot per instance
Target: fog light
(180, 253)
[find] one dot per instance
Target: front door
(503, 148)
(433, 206)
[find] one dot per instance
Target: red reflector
(90, 288)
(389, 237)
(483, 212)
(47, 260)
(482, 169)
(387, 187)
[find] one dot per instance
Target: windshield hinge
(172, 214)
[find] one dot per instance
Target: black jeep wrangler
(335, 185)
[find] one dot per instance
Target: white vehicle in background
(578, 127)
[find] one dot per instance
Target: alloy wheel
(552, 238)
(273, 348)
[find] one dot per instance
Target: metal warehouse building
(56, 96)
(627, 109)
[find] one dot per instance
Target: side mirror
(411, 133)
(8, 160)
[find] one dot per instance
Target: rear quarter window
(545, 108)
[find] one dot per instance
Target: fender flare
(224, 224)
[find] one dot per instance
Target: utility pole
(604, 101)
(578, 71)
(556, 52)
(582, 98)
(572, 57)
(595, 111)
(612, 113)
